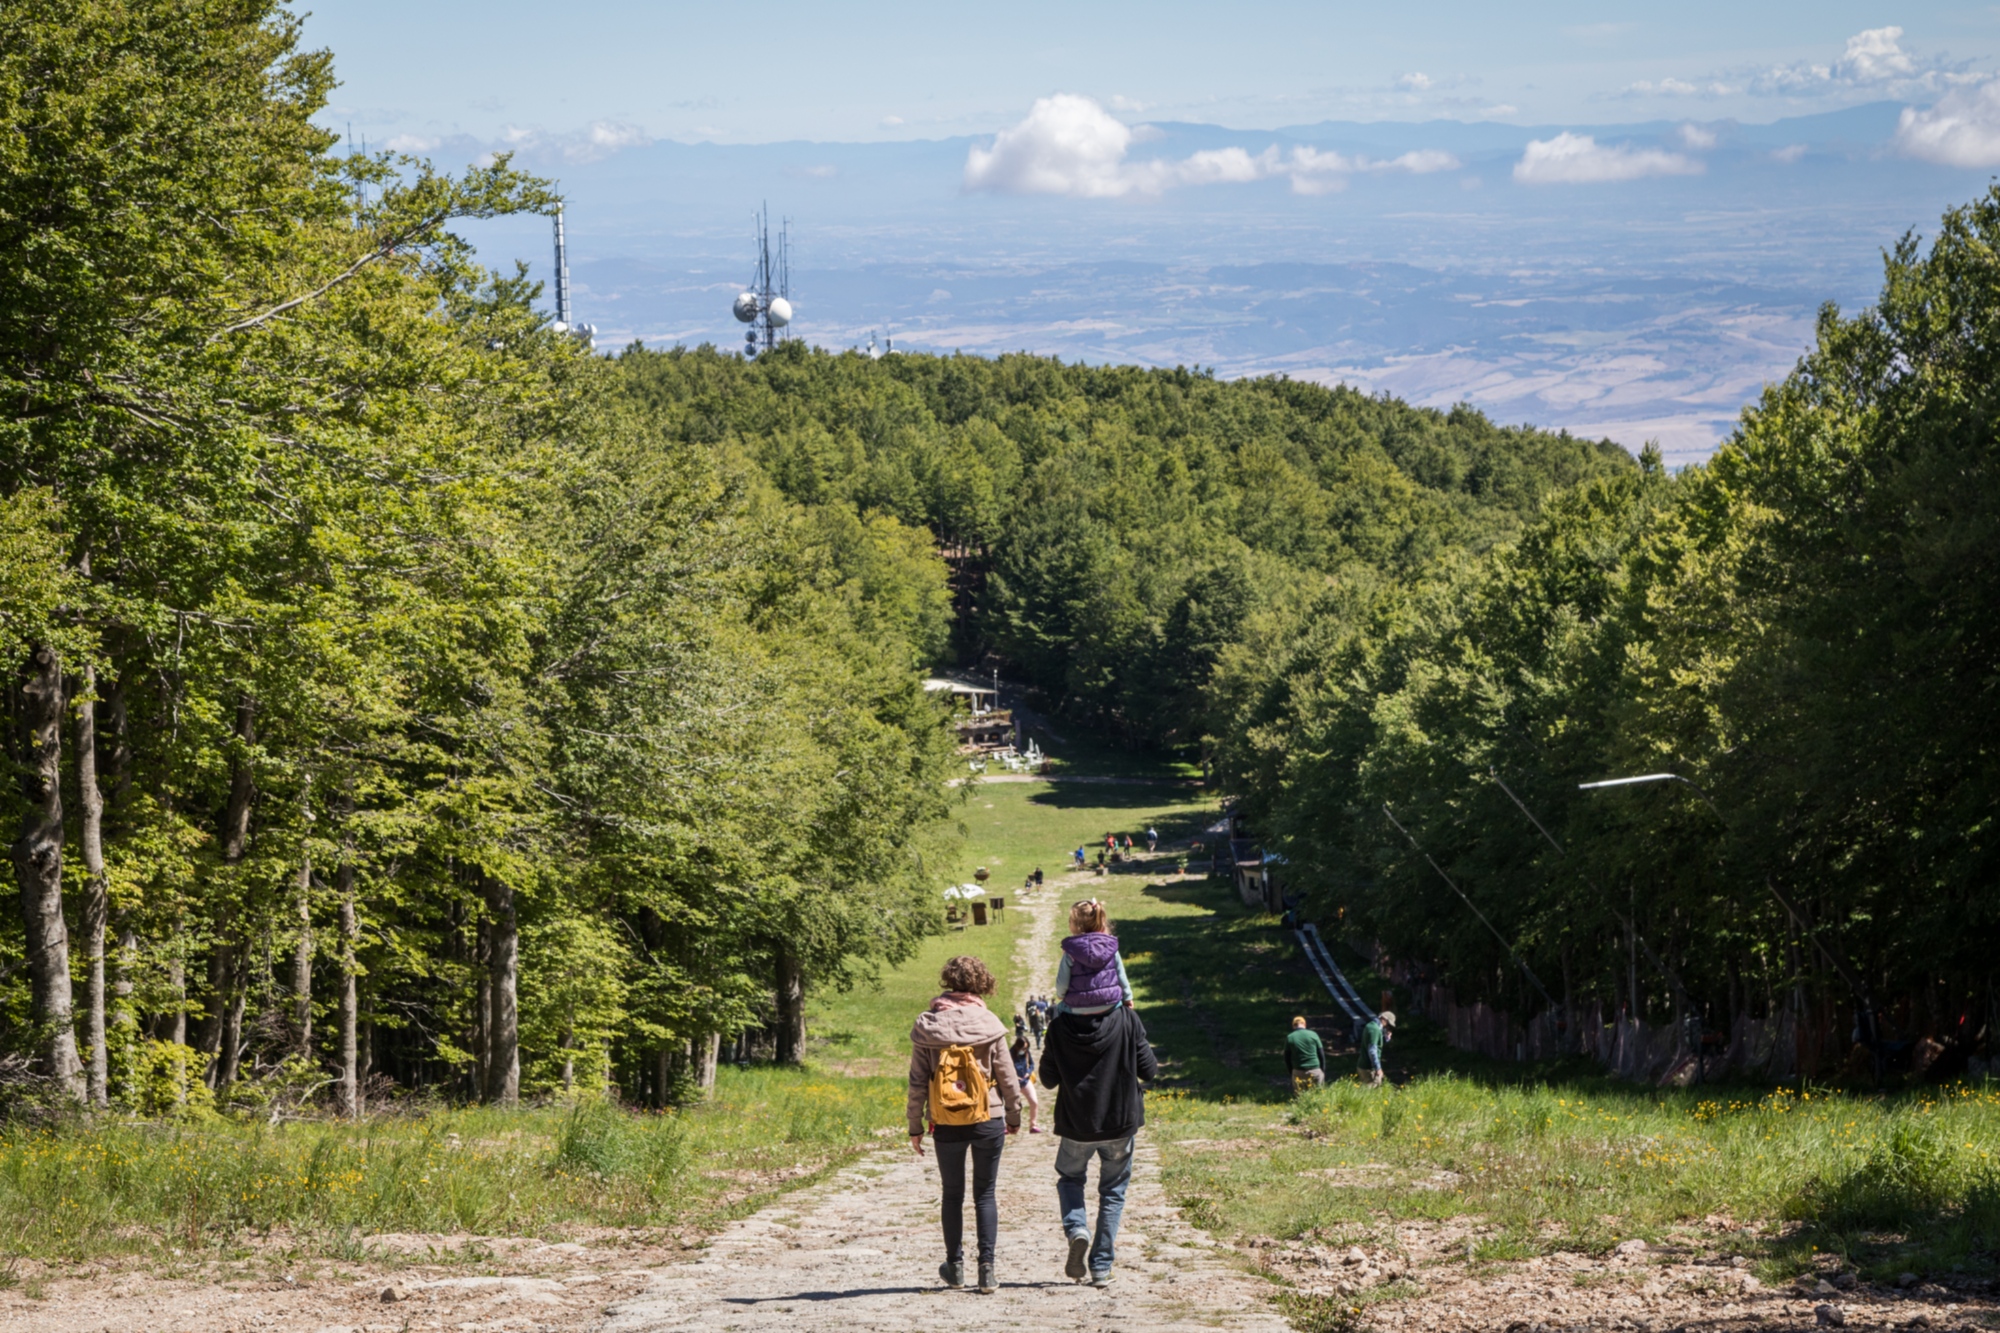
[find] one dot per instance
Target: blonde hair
(1089, 917)
(1298, 1022)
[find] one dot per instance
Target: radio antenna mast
(584, 333)
(767, 306)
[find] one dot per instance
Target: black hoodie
(1097, 1062)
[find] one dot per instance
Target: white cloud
(594, 142)
(1070, 145)
(1679, 88)
(1695, 138)
(892, 121)
(1578, 159)
(1962, 130)
(1789, 154)
(1413, 82)
(1873, 60)
(1067, 145)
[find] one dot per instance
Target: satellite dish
(745, 306)
(750, 353)
(559, 327)
(781, 313)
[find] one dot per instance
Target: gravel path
(861, 1251)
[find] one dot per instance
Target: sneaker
(1102, 1279)
(1079, 1247)
(987, 1283)
(952, 1273)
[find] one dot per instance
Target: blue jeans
(1114, 1172)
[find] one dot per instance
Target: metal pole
(562, 276)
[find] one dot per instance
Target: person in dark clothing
(1305, 1056)
(1097, 1062)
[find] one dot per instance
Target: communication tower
(767, 306)
(583, 333)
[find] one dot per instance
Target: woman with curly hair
(959, 1017)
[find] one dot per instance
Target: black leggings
(985, 1142)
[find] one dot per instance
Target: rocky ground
(1418, 1280)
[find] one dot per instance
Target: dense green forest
(1803, 631)
(1140, 533)
(403, 698)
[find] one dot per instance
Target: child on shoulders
(1091, 976)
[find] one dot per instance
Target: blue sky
(1618, 219)
(737, 73)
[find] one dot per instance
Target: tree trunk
(482, 1010)
(706, 1052)
(96, 890)
(232, 1031)
(302, 965)
(221, 983)
(38, 854)
(503, 1083)
(791, 992)
(226, 1023)
(349, 1093)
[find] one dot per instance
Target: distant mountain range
(1646, 307)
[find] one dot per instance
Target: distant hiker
(1128, 847)
(1100, 863)
(1097, 1062)
(1024, 1066)
(1305, 1056)
(1371, 1047)
(1038, 1017)
(1079, 858)
(1038, 877)
(1091, 976)
(963, 1085)
(1152, 839)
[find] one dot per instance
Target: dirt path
(862, 1251)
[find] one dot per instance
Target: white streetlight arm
(1627, 782)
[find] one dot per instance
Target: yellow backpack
(959, 1089)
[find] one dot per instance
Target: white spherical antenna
(745, 306)
(781, 312)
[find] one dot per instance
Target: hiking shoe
(1079, 1247)
(952, 1273)
(987, 1283)
(1102, 1279)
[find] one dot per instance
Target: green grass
(1896, 1182)
(182, 1193)
(1010, 828)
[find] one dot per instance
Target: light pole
(1798, 916)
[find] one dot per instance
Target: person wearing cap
(1372, 1037)
(1305, 1056)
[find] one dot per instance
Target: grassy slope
(180, 1195)
(1550, 1157)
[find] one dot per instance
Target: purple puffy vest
(1093, 970)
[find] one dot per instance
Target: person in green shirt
(1371, 1046)
(1305, 1056)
